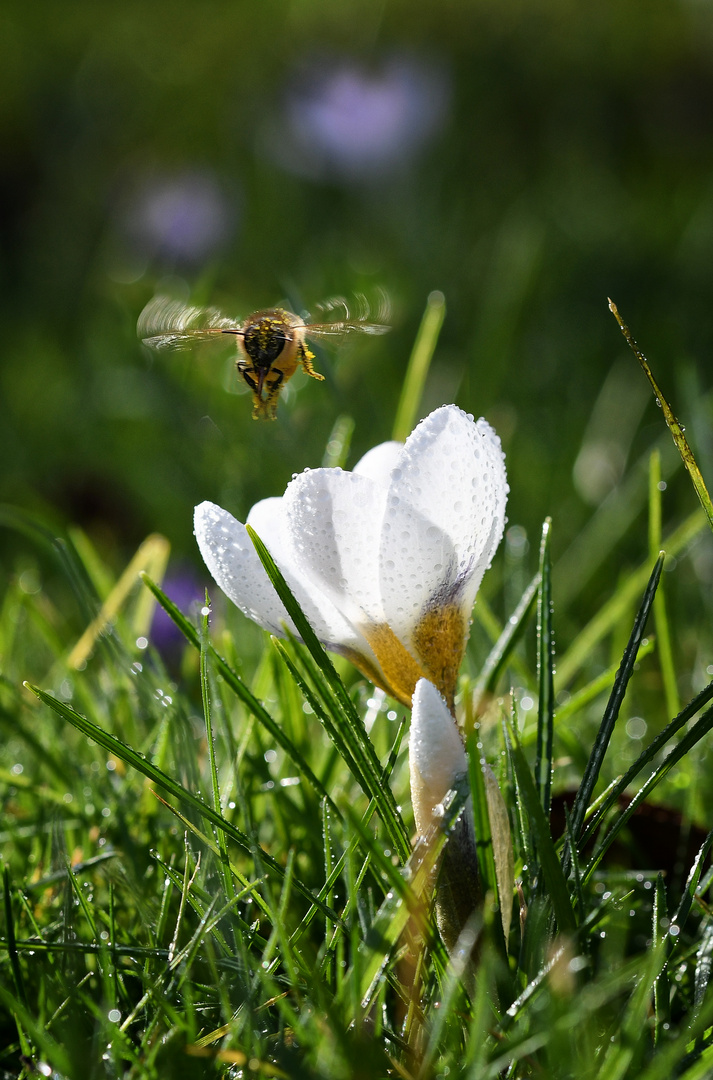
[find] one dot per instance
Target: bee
(271, 344)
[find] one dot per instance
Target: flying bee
(271, 344)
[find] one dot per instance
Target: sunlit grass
(209, 866)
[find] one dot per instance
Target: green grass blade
(545, 667)
(152, 557)
(238, 687)
(704, 963)
(481, 817)
(484, 839)
(661, 623)
(668, 1059)
(619, 514)
(10, 938)
(502, 649)
(385, 868)
(576, 868)
(337, 447)
(338, 869)
(83, 904)
(210, 845)
(215, 788)
(49, 1049)
(62, 549)
(652, 750)
(661, 988)
(654, 503)
(137, 761)
(690, 739)
(409, 902)
(328, 864)
(200, 900)
(334, 731)
(686, 903)
(577, 702)
(315, 647)
(91, 948)
(456, 976)
(611, 713)
(361, 744)
(325, 706)
(674, 427)
(698, 1064)
(611, 612)
(349, 748)
(346, 746)
(552, 872)
(419, 363)
(623, 1049)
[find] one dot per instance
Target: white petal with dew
(436, 752)
(269, 520)
(334, 521)
(379, 462)
(229, 554)
(416, 561)
(447, 503)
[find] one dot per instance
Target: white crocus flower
(385, 560)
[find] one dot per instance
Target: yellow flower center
(439, 640)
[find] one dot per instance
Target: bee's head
(264, 337)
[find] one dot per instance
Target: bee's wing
(339, 330)
(346, 318)
(170, 324)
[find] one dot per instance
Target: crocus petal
(334, 521)
(452, 470)
(452, 474)
(230, 556)
(417, 564)
(444, 518)
(379, 462)
(436, 753)
(269, 520)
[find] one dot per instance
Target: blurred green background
(528, 159)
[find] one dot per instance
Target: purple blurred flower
(185, 588)
(184, 218)
(344, 119)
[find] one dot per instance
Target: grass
(208, 867)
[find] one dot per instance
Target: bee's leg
(273, 393)
(258, 403)
(306, 358)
